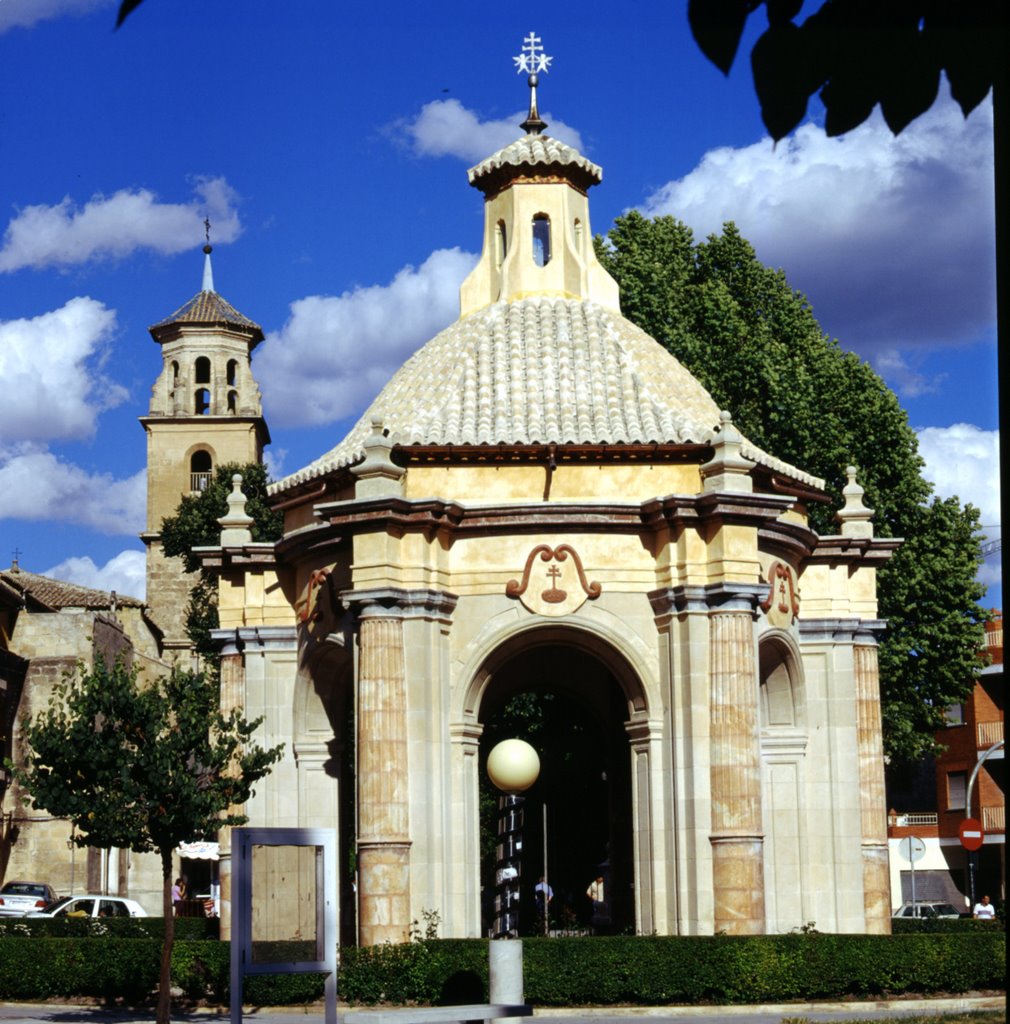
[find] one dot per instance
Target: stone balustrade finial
(377, 476)
(236, 521)
(854, 516)
(728, 469)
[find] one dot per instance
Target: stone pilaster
(232, 699)
(383, 820)
(736, 836)
(872, 799)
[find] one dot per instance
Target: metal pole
(973, 854)
(547, 880)
(911, 852)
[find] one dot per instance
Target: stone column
(232, 698)
(872, 799)
(383, 818)
(737, 840)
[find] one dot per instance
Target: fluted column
(737, 840)
(232, 698)
(383, 818)
(872, 798)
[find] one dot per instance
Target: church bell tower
(205, 411)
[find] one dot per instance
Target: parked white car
(928, 908)
(92, 906)
(20, 898)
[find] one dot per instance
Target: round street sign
(971, 833)
(912, 848)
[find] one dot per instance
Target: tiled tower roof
(534, 151)
(208, 308)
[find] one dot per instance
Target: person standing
(178, 895)
(542, 896)
(984, 911)
(598, 898)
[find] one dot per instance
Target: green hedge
(191, 928)
(557, 972)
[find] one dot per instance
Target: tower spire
(533, 60)
(208, 272)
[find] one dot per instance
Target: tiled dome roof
(537, 371)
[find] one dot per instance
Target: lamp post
(513, 766)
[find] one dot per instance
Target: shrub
(557, 972)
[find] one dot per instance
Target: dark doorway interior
(569, 706)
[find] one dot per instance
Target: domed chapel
(543, 500)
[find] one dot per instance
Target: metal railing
(989, 733)
(905, 820)
(994, 819)
(199, 481)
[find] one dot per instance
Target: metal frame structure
(325, 842)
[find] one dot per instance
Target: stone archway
(573, 696)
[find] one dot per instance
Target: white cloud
(891, 238)
(447, 128)
(126, 573)
(902, 374)
(114, 226)
(335, 352)
(38, 486)
(25, 13)
(50, 373)
(963, 460)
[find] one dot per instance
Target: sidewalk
(28, 1013)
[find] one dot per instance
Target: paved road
(820, 1012)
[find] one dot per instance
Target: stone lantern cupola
(537, 239)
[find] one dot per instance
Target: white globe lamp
(513, 766)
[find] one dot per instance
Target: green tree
(855, 54)
(195, 524)
(754, 343)
(141, 767)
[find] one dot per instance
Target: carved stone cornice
(793, 542)
(255, 555)
(740, 509)
(398, 602)
(255, 639)
(855, 551)
(840, 630)
(711, 597)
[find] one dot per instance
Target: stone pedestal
(383, 819)
(505, 971)
(737, 874)
(872, 798)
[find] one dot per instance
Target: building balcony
(988, 733)
(994, 819)
(199, 481)
(921, 823)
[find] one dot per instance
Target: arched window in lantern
(541, 239)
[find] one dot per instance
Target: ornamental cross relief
(560, 589)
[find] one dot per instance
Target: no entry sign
(971, 833)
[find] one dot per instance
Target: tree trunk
(165, 977)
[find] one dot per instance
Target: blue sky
(328, 144)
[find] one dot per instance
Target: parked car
(20, 898)
(928, 908)
(92, 906)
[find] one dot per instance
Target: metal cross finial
(206, 228)
(15, 555)
(533, 60)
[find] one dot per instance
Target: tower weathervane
(533, 60)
